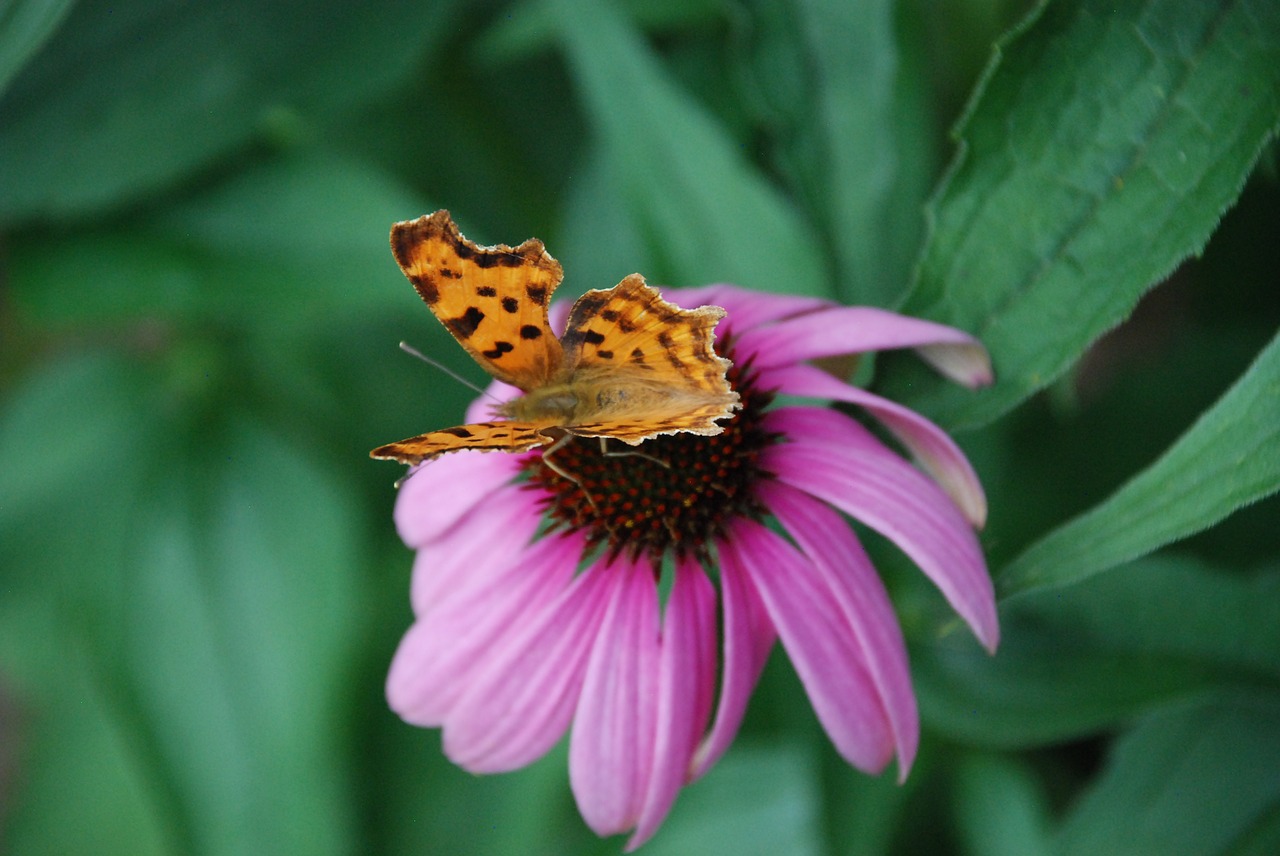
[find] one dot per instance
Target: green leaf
(530, 28)
(1230, 457)
(126, 100)
(1100, 150)
(849, 109)
(25, 25)
(243, 611)
(201, 578)
(1073, 661)
(83, 785)
(1195, 780)
(1001, 808)
(287, 241)
(430, 806)
(706, 215)
(756, 800)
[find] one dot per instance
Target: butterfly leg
(604, 450)
(547, 453)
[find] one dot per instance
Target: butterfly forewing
(492, 299)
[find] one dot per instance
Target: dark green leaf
(1076, 660)
(705, 214)
(756, 800)
(128, 99)
(1101, 150)
(1001, 808)
(286, 242)
(849, 110)
(1229, 458)
(1194, 780)
(532, 27)
(25, 25)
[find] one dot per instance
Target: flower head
(536, 588)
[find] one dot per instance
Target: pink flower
(538, 607)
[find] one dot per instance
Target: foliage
(200, 586)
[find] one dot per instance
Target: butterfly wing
(492, 299)
(651, 363)
(483, 436)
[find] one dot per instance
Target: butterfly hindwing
(632, 346)
(504, 436)
(492, 299)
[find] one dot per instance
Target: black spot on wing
(465, 325)
(425, 285)
(530, 332)
(537, 293)
(499, 348)
(498, 258)
(511, 305)
(592, 337)
(487, 291)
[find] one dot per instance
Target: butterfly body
(629, 366)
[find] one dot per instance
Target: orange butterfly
(630, 365)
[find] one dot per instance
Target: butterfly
(630, 365)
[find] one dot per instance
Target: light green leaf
(243, 607)
(127, 99)
(1195, 780)
(200, 579)
(705, 213)
(83, 785)
(25, 25)
(1230, 457)
(1101, 149)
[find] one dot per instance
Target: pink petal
(748, 637)
(818, 643)
(611, 748)
(686, 683)
(840, 462)
(438, 493)
(440, 655)
(857, 329)
(936, 452)
(746, 308)
(478, 546)
(852, 582)
(520, 699)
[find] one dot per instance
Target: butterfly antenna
(412, 351)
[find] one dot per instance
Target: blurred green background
(200, 584)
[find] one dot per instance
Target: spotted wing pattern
(492, 299)
(656, 359)
(630, 366)
(482, 436)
